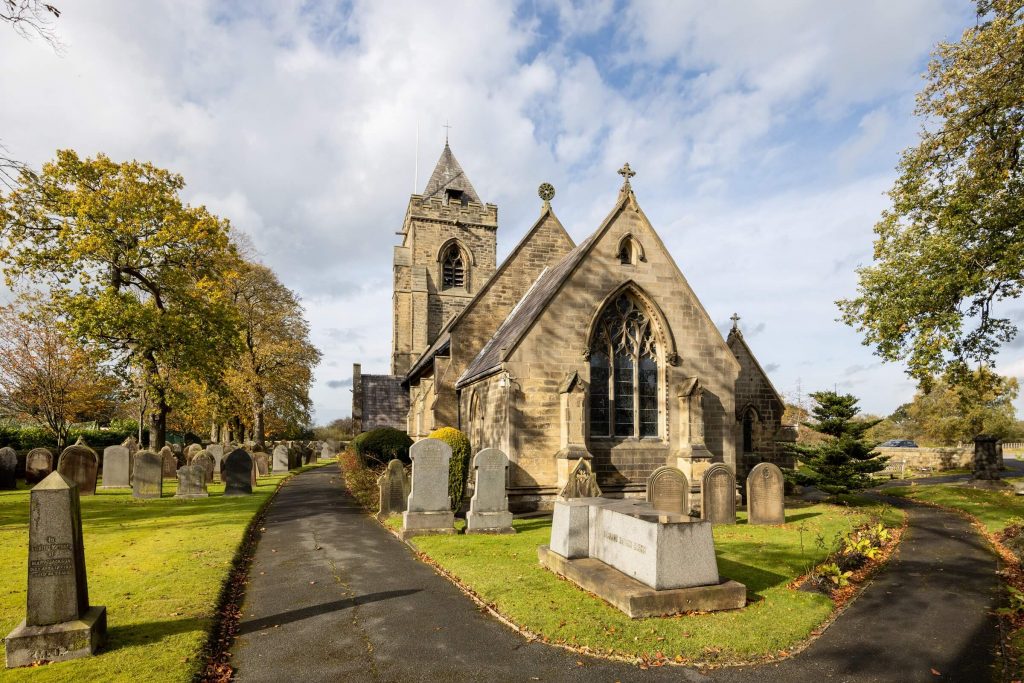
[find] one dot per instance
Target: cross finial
(735, 318)
(626, 172)
(446, 129)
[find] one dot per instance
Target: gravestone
(8, 468)
(488, 508)
(718, 495)
(192, 451)
(280, 458)
(582, 482)
(294, 456)
(147, 480)
(38, 465)
(79, 463)
(59, 622)
(307, 455)
(205, 461)
(191, 482)
(216, 450)
(236, 471)
(325, 452)
(131, 444)
(986, 457)
(169, 463)
(668, 490)
(393, 485)
(262, 463)
(116, 471)
(429, 506)
(765, 495)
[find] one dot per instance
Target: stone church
(598, 350)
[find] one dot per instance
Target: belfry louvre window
(453, 269)
(623, 372)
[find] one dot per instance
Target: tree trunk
(258, 422)
(158, 425)
(214, 432)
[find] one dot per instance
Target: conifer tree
(845, 460)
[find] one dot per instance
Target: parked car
(898, 443)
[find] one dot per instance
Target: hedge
(381, 445)
(459, 465)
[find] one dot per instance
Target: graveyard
(157, 565)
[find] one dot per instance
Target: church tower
(448, 251)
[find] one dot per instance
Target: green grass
(156, 565)
(993, 508)
(504, 571)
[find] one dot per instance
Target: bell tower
(448, 251)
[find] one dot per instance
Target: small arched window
(453, 268)
(624, 372)
(626, 251)
(749, 422)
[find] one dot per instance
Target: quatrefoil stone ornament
(546, 191)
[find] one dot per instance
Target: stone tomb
(280, 458)
(669, 491)
(488, 508)
(765, 495)
(59, 622)
(393, 486)
(205, 461)
(718, 495)
(262, 463)
(8, 468)
(191, 482)
(147, 480)
(38, 465)
(168, 463)
(643, 561)
(429, 508)
(80, 464)
(237, 473)
(117, 469)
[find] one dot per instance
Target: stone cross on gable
(626, 172)
(446, 129)
(735, 318)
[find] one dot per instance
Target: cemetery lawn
(504, 572)
(992, 508)
(156, 565)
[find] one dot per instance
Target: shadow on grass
(755, 579)
(131, 635)
(797, 518)
(316, 610)
(532, 524)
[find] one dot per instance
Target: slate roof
(385, 402)
(525, 312)
(448, 174)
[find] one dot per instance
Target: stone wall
(755, 393)
(931, 458)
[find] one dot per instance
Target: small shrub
(459, 465)
(836, 576)
(360, 480)
(381, 445)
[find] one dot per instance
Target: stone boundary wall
(931, 458)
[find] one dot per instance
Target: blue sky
(764, 136)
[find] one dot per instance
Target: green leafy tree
(844, 461)
(951, 247)
(132, 269)
(946, 414)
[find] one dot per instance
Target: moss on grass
(156, 565)
(504, 572)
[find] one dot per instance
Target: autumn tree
(275, 368)
(47, 378)
(132, 269)
(844, 460)
(950, 249)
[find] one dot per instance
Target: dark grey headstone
(59, 623)
(147, 481)
(393, 486)
(116, 469)
(8, 468)
(765, 495)
(80, 464)
(718, 495)
(38, 465)
(669, 491)
(191, 482)
(237, 473)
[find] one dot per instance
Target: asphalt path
(332, 596)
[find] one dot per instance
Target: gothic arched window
(453, 269)
(624, 372)
(749, 421)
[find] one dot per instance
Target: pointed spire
(448, 175)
